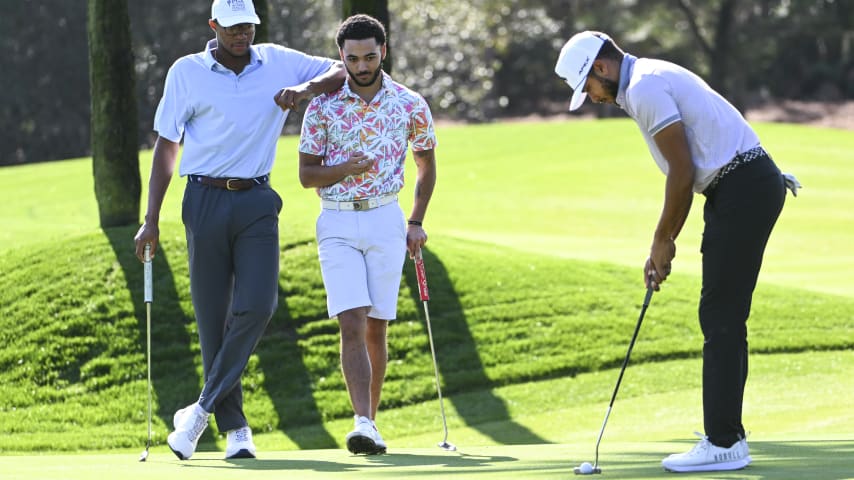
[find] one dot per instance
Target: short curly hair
(360, 27)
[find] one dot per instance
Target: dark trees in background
(477, 60)
(114, 123)
(377, 9)
(262, 31)
(44, 90)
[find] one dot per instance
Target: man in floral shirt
(352, 150)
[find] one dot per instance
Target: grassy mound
(73, 330)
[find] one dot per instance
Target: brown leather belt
(233, 184)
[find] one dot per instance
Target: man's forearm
(425, 182)
(678, 197)
(328, 81)
(162, 168)
(316, 176)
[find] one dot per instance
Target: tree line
(474, 61)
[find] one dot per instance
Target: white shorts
(361, 258)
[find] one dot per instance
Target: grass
(503, 323)
(780, 460)
(787, 440)
(584, 190)
(537, 233)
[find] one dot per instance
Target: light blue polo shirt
(230, 123)
(656, 93)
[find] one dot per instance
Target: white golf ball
(585, 468)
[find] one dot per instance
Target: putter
(421, 275)
(148, 297)
(585, 468)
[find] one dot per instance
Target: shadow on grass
(459, 362)
(795, 460)
(292, 396)
(175, 382)
(450, 460)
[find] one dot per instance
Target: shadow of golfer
(459, 363)
(175, 382)
(288, 383)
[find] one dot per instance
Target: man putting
(703, 145)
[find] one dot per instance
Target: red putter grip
(422, 279)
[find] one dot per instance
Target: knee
(353, 325)
(376, 330)
(725, 334)
(724, 319)
(263, 311)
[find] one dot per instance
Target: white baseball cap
(575, 61)
(232, 12)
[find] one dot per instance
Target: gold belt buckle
(228, 184)
(358, 204)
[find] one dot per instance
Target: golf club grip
(148, 288)
(421, 275)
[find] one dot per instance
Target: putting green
(826, 459)
(801, 429)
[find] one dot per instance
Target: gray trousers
(739, 216)
(233, 245)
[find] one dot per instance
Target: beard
(611, 87)
(369, 82)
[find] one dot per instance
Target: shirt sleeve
(310, 66)
(654, 105)
(313, 136)
(173, 111)
(422, 135)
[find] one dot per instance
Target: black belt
(229, 183)
(739, 160)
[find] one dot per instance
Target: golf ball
(585, 467)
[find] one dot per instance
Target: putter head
(447, 446)
(144, 455)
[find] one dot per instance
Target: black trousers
(739, 215)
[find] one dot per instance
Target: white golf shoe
(189, 423)
(176, 418)
(378, 439)
(363, 437)
(708, 457)
(239, 443)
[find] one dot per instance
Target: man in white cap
(228, 105)
(703, 145)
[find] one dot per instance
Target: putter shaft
(646, 301)
(436, 372)
(148, 297)
(421, 276)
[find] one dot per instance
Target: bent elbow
(304, 180)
